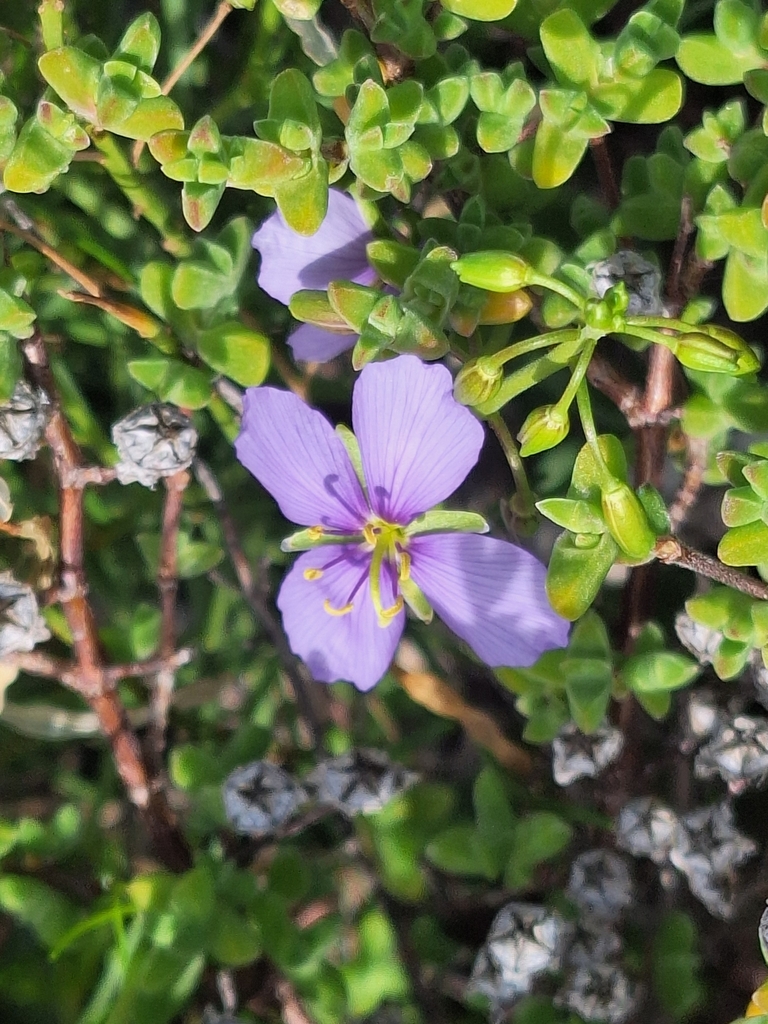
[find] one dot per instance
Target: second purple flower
(291, 262)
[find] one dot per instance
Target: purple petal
(491, 594)
(336, 251)
(353, 647)
(314, 345)
(416, 441)
(292, 450)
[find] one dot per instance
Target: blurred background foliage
(379, 916)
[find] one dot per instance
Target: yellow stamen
(312, 574)
(387, 614)
(404, 572)
(328, 607)
(315, 532)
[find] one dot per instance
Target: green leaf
(141, 42)
(655, 98)
(677, 965)
(237, 351)
(570, 48)
(537, 837)
(588, 686)
(303, 201)
(457, 851)
(75, 76)
(745, 545)
(38, 907)
(658, 671)
(745, 286)
(703, 58)
(480, 10)
(494, 817)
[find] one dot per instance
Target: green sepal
(493, 271)
(438, 521)
(393, 261)
(578, 516)
(577, 568)
(655, 509)
(625, 517)
(352, 446)
(313, 307)
(306, 540)
(416, 601)
(353, 302)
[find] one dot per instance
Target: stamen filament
(404, 571)
(344, 610)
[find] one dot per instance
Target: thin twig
(675, 285)
(168, 585)
(95, 686)
(88, 283)
(673, 552)
(605, 175)
(209, 30)
(36, 663)
(693, 481)
(300, 680)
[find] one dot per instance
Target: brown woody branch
(94, 682)
(674, 552)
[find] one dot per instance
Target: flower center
(388, 542)
(385, 544)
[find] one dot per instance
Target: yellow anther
(344, 610)
(387, 614)
(404, 572)
(370, 533)
(312, 574)
(315, 532)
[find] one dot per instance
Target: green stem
(578, 375)
(145, 201)
(521, 348)
(647, 334)
(590, 432)
(533, 373)
(525, 506)
(51, 12)
(533, 278)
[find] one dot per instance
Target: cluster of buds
(703, 845)
(153, 442)
(262, 799)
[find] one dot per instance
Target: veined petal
(312, 344)
(351, 646)
(491, 594)
(294, 453)
(416, 441)
(336, 251)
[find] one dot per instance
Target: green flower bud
(721, 352)
(625, 518)
(544, 428)
(493, 271)
(477, 381)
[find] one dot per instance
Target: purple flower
(291, 262)
(372, 545)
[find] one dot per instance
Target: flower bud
(505, 307)
(154, 441)
(477, 381)
(493, 271)
(21, 624)
(726, 353)
(22, 422)
(544, 428)
(626, 519)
